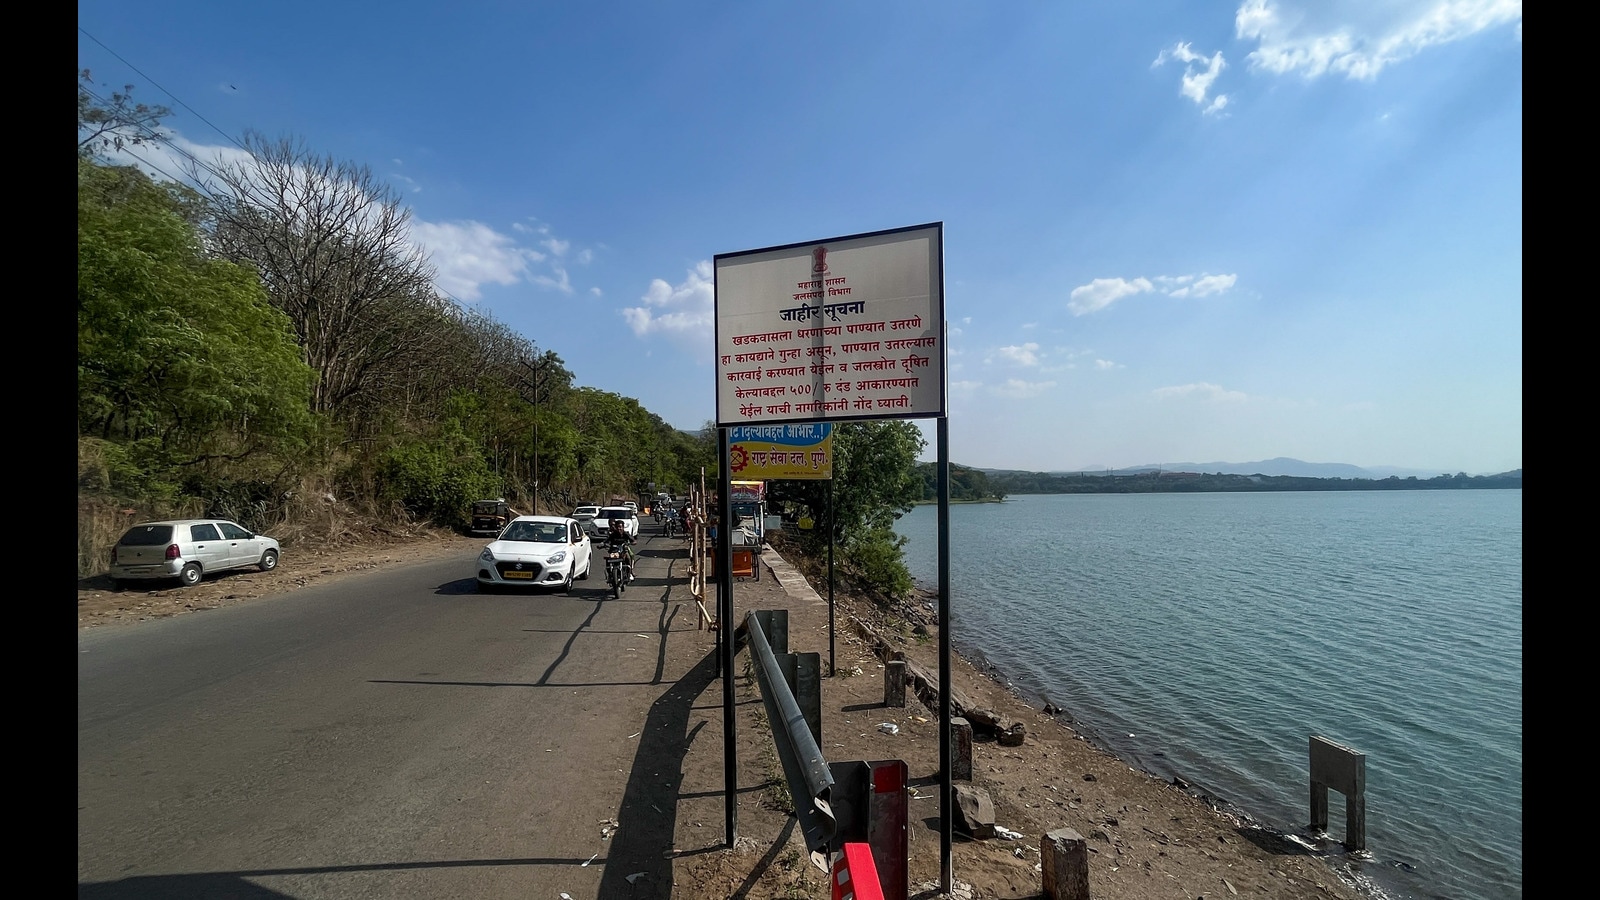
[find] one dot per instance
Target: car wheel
(584, 576)
(566, 586)
(269, 561)
(190, 576)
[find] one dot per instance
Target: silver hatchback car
(188, 550)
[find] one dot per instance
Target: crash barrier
(1344, 770)
(871, 807)
(839, 803)
(854, 875)
(795, 733)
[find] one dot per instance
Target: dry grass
(310, 514)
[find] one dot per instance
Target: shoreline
(1319, 846)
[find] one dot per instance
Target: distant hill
(1282, 465)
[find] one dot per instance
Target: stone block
(1065, 863)
(974, 812)
(960, 749)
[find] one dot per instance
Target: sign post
(835, 330)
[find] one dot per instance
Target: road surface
(394, 735)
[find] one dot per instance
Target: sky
(1173, 231)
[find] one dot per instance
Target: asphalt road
(395, 734)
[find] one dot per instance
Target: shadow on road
(235, 886)
(649, 813)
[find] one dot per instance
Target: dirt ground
(101, 603)
(1147, 838)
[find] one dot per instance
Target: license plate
(519, 574)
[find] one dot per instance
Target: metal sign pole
(832, 668)
(724, 552)
(946, 785)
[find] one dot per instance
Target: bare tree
(332, 245)
(114, 122)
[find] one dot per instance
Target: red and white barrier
(855, 875)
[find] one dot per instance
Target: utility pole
(535, 387)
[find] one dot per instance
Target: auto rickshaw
(490, 516)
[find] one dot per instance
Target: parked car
(535, 551)
(585, 515)
(188, 550)
(602, 522)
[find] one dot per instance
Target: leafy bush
(879, 564)
(436, 481)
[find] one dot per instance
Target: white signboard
(848, 328)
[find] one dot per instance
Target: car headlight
(558, 556)
(486, 555)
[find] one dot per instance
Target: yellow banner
(773, 452)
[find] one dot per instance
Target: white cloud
(556, 247)
(682, 312)
(1102, 292)
(1199, 74)
(557, 281)
(1200, 390)
(1016, 387)
(469, 254)
(594, 291)
(1106, 365)
(1206, 286)
(1314, 38)
(1023, 355)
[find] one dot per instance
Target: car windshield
(486, 509)
(536, 532)
(586, 511)
(617, 512)
(147, 536)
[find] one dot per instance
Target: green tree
(875, 483)
(181, 359)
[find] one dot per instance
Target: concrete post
(894, 683)
(960, 749)
(1343, 769)
(1065, 861)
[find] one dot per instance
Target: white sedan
(535, 551)
(602, 522)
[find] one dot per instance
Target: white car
(585, 514)
(602, 522)
(189, 549)
(535, 551)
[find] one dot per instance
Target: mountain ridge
(1282, 465)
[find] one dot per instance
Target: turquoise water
(1208, 636)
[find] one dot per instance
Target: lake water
(1209, 636)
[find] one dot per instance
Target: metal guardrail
(810, 782)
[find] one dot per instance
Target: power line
(167, 140)
(163, 90)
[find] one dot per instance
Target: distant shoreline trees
(1193, 482)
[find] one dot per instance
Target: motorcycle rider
(617, 538)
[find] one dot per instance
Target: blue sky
(1174, 232)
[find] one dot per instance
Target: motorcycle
(670, 526)
(616, 572)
